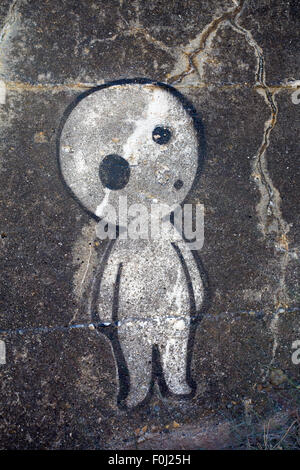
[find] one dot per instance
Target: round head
(133, 139)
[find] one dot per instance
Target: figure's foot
(136, 396)
(173, 357)
(180, 388)
(137, 356)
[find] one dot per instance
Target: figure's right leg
(173, 353)
(137, 351)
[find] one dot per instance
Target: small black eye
(161, 135)
(178, 184)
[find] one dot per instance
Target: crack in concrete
(60, 87)
(201, 43)
(269, 206)
(269, 212)
(230, 316)
(150, 39)
(44, 87)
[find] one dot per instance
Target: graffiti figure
(139, 140)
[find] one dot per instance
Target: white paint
(274, 324)
(2, 352)
(296, 354)
(177, 291)
(101, 207)
(2, 92)
(179, 325)
(67, 149)
(82, 166)
(293, 83)
(296, 97)
(11, 26)
(155, 113)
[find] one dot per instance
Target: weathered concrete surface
(58, 386)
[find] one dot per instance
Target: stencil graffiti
(143, 141)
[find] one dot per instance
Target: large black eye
(114, 172)
(161, 135)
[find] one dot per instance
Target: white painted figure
(138, 140)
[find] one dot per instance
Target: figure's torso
(153, 281)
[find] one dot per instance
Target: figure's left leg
(136, 347)
(173, 353)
